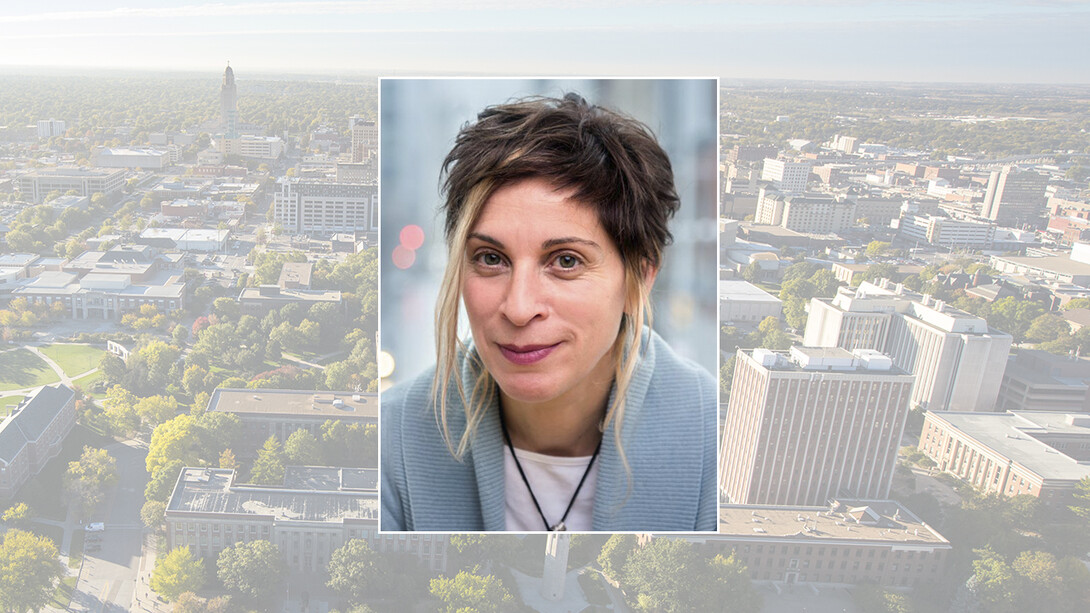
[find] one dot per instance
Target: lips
(523, 355)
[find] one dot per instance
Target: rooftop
(1011, 435)
(884, 521)
(331, 405)
(30, 419)
(213, 490)
(742, 291)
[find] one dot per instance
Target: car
(95, 527)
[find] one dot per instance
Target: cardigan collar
(614, 479)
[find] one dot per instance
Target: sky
(996, 41)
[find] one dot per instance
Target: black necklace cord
(559, 527)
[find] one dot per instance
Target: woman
(566, 411)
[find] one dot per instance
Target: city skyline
(1023, 41)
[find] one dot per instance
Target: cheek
(481, 297)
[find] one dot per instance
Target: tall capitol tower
(229, 103)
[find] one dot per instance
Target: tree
(1081, 495)
(18, 515)
(615, 554)
(188, 602)
(472, 592)
(1047, 327)
(162, 481)
(153, 513)
(177, 572)
(154, 410)
(174, 440)
(268, 468)
(253, 569)
(877, 248)
(728, 581)
(120, 410)
(29, 567)
(227, 460)
(355, 570)
(726, 376)
(302, 448)
(993, 581)
(879, 271)
(664, 575)
(87, 479)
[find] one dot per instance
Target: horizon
(1030, 42)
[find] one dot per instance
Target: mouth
(523, 355)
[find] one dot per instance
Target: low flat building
(271, 412)
(104, 296)
(186, 239)
(1037, 380)
(154, 159)
(315, 512)
(258, 301)
(841, 544)
(33, 433)
(741, 301)
(1062, 268)
(295, 275)
(36, 185)
(1042, 454)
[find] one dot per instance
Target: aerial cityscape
(191, 360)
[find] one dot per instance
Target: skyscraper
(1015, 197)
(817, 423)
(229, 103)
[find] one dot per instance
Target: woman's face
(544, 289)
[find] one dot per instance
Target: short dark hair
(612, 162)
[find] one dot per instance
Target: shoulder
(678, 382)
(402, 429)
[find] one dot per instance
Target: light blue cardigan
(669, 438)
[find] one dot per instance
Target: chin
(527, 389)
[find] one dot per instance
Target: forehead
(535, 207)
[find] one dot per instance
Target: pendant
(560, 527)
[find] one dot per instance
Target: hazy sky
(907, 40)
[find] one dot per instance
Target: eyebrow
(552, 242)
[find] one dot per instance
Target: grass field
(20, 368)
(62, 597)
(75, 550)
(5, 401)
(86, 382)
(74, 359)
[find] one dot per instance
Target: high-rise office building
(957, 359)
(1015, 197)
(364, 138)
(325, 207)
(785, 175)
(48, 128)
(811, 425)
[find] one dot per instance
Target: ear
(650, 272)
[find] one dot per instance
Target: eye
(567, 261)
(490, 259)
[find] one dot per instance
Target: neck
(565, 426)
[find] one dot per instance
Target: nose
(524, 301)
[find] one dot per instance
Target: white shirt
(553, 479)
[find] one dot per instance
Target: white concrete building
(785, 175)
(326, 207)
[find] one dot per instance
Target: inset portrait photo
(548, 304)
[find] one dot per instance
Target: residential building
(325, 207)
(839, 544)
(954, 355)
(37, 184)
(33, 434)
(812, 424)
(315, 512)
(1039, 453)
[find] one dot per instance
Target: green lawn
(75, 551)
(74, 359)
(5, 401)
(86, 382)
(62, 597)
(20, 368)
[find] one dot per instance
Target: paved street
(108, 579)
